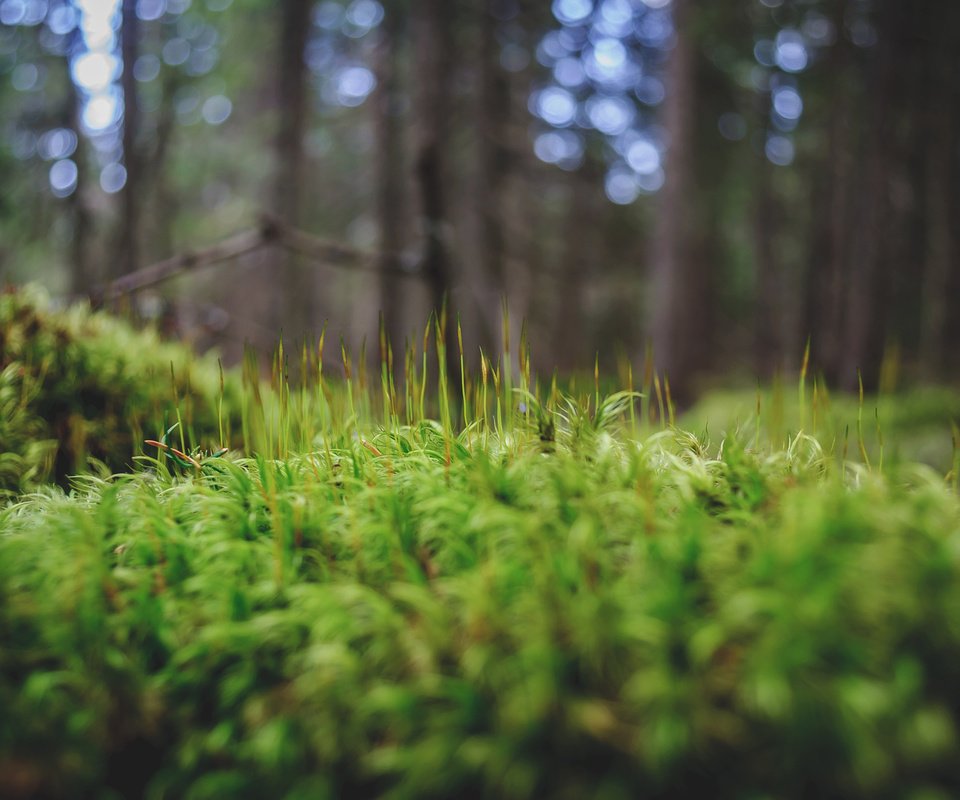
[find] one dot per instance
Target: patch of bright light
(36, 12)
(556, 106)
(656, 3)
(99, 21)
(63, 177)
(559, 147)
(551, 48)
(217, 109)
(113, 178)
(610, 115)
(353, 85)
(654, 30)
(12, 12)
(95, 71)
(788, 103)
(610, 55)
(56, 144)
(102, 111)
(780, 150)
(621, 186)
(572, 12)
(643, 157)
(616, 12)
(791, 52)
(61, 20)
(569, 72)
(365, 13)
(650, 91)
(653, 182)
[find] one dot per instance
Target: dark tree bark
(293, 301)
(867, 298)
(939, 147)
(676, 312)
(825, 285)
(390, 171)
(433, 42)
(128, 257)
(768, 310)
(494, 158)
(581, 247)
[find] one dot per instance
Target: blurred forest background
(712, 182)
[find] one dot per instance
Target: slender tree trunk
(768, 310)
(675, 330)
(939, 146)
(433, 41)
(294, 300)
(129, 254)
(494, 158)
(390, 171)
(829, 254)
(865, 329)
(579, 234)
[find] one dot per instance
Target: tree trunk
(939, 147)
(580, 233)
(293, 301)
(768, 334)
(129, 256)
(390, 171)
(433, 32)
(866, 312)
(494, 159)
(675, 313)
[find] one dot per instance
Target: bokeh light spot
(113, 178)
(556, 106)
(780, 150)
(217, 109)
(63, 177)
(621, 187)
(571, 12)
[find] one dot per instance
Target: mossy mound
(77, 385)
(409, 617)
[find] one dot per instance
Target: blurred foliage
(912, 424)
(77, 385)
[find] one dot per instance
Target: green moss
(78, 385)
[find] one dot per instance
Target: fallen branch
(271, 231)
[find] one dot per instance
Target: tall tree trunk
(432, 36)
(865, 328)
(939, 147)
(581, 230)
(293, 303)
(675, 312)
(768, 310)
(494, 158)
(129, 255)
(829, 252)
(390, 171)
